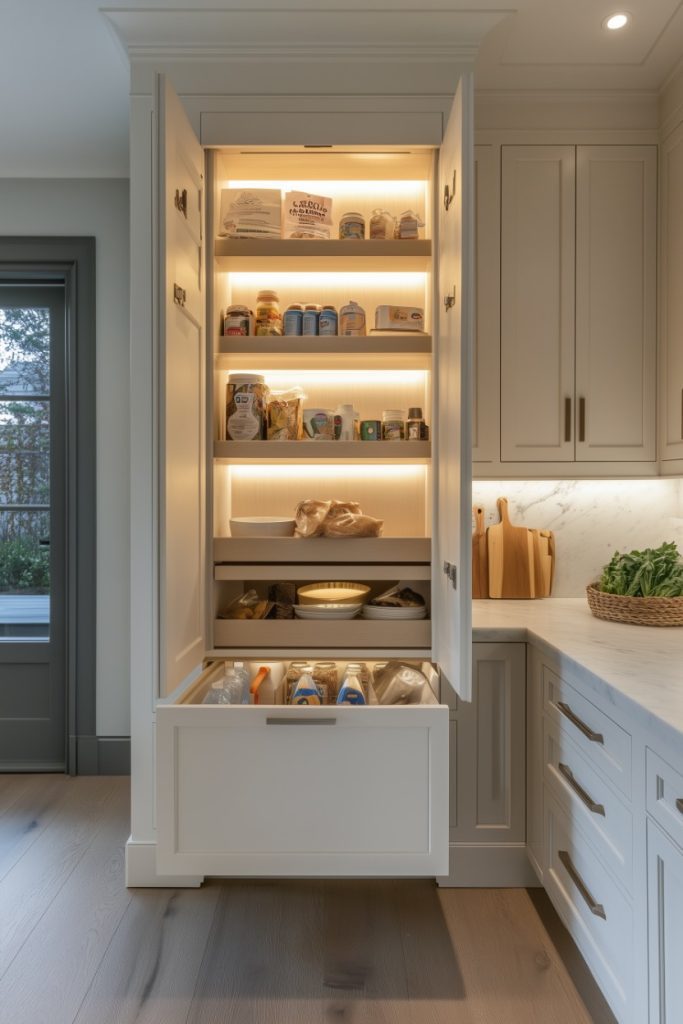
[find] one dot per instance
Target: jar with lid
(352, 320)
(328, 323)
(382, 224)
(415, 425)
(268, 316)
(408, 225)
(237, 321)
(393, 425)
(293, 319)
(311, 318)
(245, 411)
(352, 225)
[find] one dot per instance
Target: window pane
(24, 574)
(24, 452)
(24, 351)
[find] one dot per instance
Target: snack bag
(307, 216)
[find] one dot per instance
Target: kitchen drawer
(313, 791)
(595, 911)
(590, 802)
(604, 743)
(665, 796)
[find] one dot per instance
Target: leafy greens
(654, 572)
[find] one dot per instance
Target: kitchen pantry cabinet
(671, 303)
(280, 790)
(577, 305)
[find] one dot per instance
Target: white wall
(591, 519)
(97, 207)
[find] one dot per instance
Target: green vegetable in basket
(654, 572)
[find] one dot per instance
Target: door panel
(486, 350)
(537, 303)
(671, 272)
(181, 399)
(451, 605)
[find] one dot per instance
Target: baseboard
(498, 866)
(141, 870)
(101, 755)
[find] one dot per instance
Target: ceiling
(67, 73)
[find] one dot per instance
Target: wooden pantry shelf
(397, 351)
(245, 452)
(301, 571)
(317, 550)
(301, 254)
(335, 634)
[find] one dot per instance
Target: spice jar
(237, 321)
(382, 224)
(408, 225)
(393, 425)
(352, 225)
(268, 316)
(415, 425)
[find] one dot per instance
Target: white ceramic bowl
(262, 526)
(335, 593)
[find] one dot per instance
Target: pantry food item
(250, 213)
(326, 683)
(248, 606)
(317, 518)
(371, 430)
(328, 323)
(352, 524)
(393, 425)
(352, 225)
(352, 320)
(238, 321)
(305, 691)
(351, 691)
(408, 225)
(399, 597)
(307, 216)
(268, 316)
(319, 424)
(399, 318)
(292, 321)
(245, 410)
(261, 526)
(333, 593)
(284, 416)
(348, 423)
(283, 596)
(382, 224)
(310, 318)
(416, 428)
(398, 682)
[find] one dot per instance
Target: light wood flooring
(76, 947)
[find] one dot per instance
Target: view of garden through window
(24, 471)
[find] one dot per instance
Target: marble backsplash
(591, 519)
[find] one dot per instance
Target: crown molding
(462, 53)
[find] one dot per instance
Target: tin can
(311, 317)
(328, 323)
(370, 430)
(293, 319)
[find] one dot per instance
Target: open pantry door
(452, 458)
(182, 437)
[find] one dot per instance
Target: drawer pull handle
(595, 908)
(594, 737)
(582, 419)
(567, 419)
(580, 791)
(301, 720)
(679, 804)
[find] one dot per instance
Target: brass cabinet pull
(681, 414)
(582, 419)
(679, 805)
(448, 195)
(566, 771)
(449, 300)
(301, 720)
(180, 201)
(567, 419)
(594, 737)
(179, 295)
(595, 908)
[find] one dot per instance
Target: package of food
(397, 682)
(285, 415)
(250, 213)
(335, 518)
(351, 524)
(307, 216)
(283, 596)
(399, 318)
(310, 516)
(248, 606)
(399, 597)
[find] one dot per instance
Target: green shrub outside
(24, 567)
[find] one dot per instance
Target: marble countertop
(637, 668)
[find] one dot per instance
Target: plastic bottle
(268, 316)
(352, 320)
(305, 691)
(242, 673)
(328, 322)
(217, 694)
(351, 691)
(310, 320)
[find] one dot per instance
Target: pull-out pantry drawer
(281, 790)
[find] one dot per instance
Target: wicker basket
(638, 611)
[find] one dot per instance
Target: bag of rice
(307, 216)
(250, 213)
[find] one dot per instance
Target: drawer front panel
(591, 802)
(597, 914)
(604, 743)
(312, 791)
(665, 796)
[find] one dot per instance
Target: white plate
(373, 611)
(262, 526)
(326, 611)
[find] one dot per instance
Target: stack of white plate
(375, 611)
(327, 611)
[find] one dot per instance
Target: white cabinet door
(182, 427)
(534, 762)
(537, 303)
(616, 257)
(486, 354)
(665, 927)
(671, 297)
(452, 456)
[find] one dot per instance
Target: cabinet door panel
(451, 605)
(181, 394)
(537, 303)
(671, 296)
(486, 354)
(665, 927)
(616, 217)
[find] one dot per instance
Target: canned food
(245, 412)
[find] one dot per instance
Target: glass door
(33, 499)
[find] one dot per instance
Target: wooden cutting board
(480, 555)
(511, 558)
(543, 561)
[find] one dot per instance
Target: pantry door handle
(595, 908)
(301, 720)
(681, 414)
(449, 300)
(180, 201)
(594, 737)
(448, 195)
(566, 771)
(679, 805)
(582, 419)
(567, 419)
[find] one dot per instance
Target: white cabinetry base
(498, 866)
(141, 870)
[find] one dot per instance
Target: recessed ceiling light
(616, 21)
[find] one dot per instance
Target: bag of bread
(351, 524)
(310, 516)
(284, 415)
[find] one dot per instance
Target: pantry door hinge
(180, 201)
(448, 194)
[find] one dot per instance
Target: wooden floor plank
(27, 816)
(50, 976)
(30, 886)
(149, 973)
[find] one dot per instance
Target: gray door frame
(72, 261)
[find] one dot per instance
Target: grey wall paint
(98, 207)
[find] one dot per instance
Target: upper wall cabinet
(671, 298)
(577, 301)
